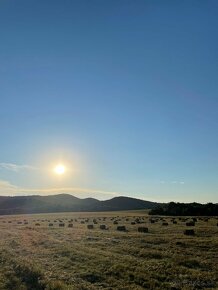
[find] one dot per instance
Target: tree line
(186, 209)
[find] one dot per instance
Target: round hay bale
(37, 224)
(50, 225)
(61, 225)
(115, 222)
(70, 225)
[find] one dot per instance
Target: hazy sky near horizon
(124, 93)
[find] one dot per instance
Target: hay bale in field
(103, 227)
(19, 223)
(90, 227)
(115, 222)
(132, 223)
(152, 221)
(62, 225)
(70, 225)
(26, 223)
(142, 230)
(37, 224)
(189, 232)
(50, 225)
(121, 228)
(190, 224)
(82, 222)
(95, 221)
(165, 224)
(174, 222)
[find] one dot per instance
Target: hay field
(37, 253)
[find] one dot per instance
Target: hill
(67, 203)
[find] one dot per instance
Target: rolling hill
(67, 203)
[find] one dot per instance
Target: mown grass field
(51, 257)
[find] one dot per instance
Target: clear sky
(123, 93)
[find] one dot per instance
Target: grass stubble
(36, 256)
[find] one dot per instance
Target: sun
(60, 169)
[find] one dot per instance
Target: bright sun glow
(59, 169)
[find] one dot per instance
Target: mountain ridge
(66, 203)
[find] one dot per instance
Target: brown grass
(43, 257)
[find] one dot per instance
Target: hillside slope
(66, 203)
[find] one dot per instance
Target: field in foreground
(37, 253)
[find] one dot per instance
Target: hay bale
(115, 222)
(132, 223)
(121, 228)
(37, 224)
(137, 221)
(103, 227)
(61, 225)
(50, 225)
(190, 224)
(90, 227)
(174, 222)
(142, 230)
(189, 232)
(70, 225)
(165, 224)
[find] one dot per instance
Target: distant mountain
(67, 203)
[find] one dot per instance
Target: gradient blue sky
(125, 93)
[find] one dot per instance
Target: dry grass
(42, 257)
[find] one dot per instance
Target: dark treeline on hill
(186, 209)
(68, 203)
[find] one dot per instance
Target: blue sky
(124, 93)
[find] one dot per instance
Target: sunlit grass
(43, 257)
